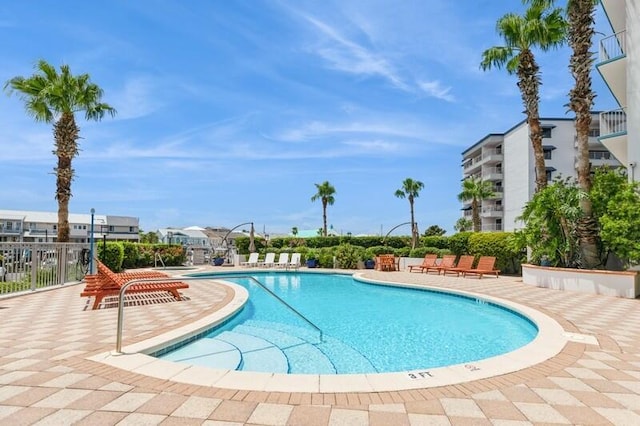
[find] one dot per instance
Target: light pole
(93, 211)
(170, 235)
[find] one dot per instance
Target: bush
(499, 245)
(437, 241)
(112, 255)
(347, 256)
(378, 250)
(325, 257)
(459, 243)
(422, 251)
(131, 255)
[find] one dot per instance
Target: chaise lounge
(428, 261)
(108, 283)
(485, 266)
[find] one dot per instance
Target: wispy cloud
(136, 98)
(437, 90)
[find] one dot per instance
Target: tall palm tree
(324, 194)
(540, 27)
(411, 190)
(475, 190)
(53, 97)
(581, 28)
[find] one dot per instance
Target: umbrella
(252, 243)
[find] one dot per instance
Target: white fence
(30, 266)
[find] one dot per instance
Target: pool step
(257, 353)
(344, 358)
(208, 352)
(303, 357)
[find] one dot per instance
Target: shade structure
(252, 240)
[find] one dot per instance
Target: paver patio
(46, 378)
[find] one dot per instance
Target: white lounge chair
(283, 260)
(269, 260)
(294, 263)
(253, 260)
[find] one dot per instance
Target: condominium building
(42, 227)
(619, 65)
(507, 160)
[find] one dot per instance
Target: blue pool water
(366, 328)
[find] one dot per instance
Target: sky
(230, 111)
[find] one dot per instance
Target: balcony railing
(613, 47)
(613, 123)
(492, 227)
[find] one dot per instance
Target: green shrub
(325, 257)
(112, 255)
(459, 243)
(131, 255)
(422, 251)
(347, 256)
(378, 250)
(437, 241)
(499, 245)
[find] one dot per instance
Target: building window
(131, 229)
(549, 175)
(55, 227)
(546, 132)
(111, 228)
(599, 155)
(594, 133)
(9, 226)
(547, 154)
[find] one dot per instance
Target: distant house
(310, 233)
(184, 237)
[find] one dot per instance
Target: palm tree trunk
(581, 31)
(324, 217)
(413, 225)
(529, 84)
(475, 212)
(66, 135)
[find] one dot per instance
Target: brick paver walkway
(46, 379)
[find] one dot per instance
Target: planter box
(610, 283)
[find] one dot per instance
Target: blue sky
(230, 111)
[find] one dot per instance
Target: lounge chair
(429, 260)
(294, 263)
(108, 283)
(253, 260)
(269, 260)
(386, 262)
(485, 266)
(447, 261)
(283, 260)
(465, 263)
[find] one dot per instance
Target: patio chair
(108, 283)
(386, 262)
(464, 264)
(252, 261)
(294, 263)
(283, 260)
(485, 266)
(447, 261)
(269, 260)
(429, 260)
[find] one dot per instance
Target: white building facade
(507, 160)
(619, 65)
(42, 227)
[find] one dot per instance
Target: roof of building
(51, 217)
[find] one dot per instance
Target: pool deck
(48, 378)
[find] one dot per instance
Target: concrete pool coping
(549, 342)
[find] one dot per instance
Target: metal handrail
(155, 260)
(174, 279)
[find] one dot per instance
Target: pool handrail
(124, 288)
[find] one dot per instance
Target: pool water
(365, 328)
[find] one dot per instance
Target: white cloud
(135, 100)
(437, 90)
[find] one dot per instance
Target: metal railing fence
(32, 266)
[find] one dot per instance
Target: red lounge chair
(108, 283)
(429, 261)
(447, 261)
(485, 266)
(464, 264)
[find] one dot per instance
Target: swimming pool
(365, 328)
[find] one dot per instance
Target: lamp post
(170, 235)
(93, 211)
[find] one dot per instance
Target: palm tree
(55, 98)
(580, 17)
(539, 27)
(475, 190)
(325, 194)
(411, 190)
(294, 231)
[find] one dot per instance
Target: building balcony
(612, 65)
(492, 173)
(492, 211)
(492, 227)
(613, 133)
(492, 156)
